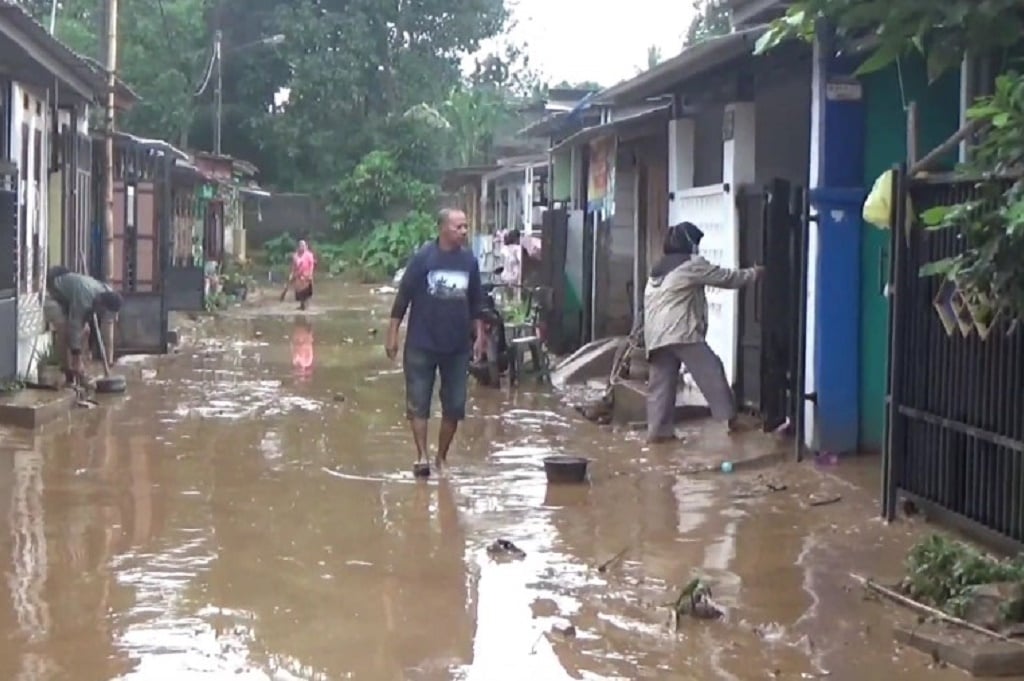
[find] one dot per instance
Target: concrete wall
(783, 138)
(561, 181)
(297, 214)
(708, 145)
(28, 106)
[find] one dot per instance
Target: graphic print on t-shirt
(448, 284)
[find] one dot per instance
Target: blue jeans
(420, 368)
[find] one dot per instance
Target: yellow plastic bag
(877, 208)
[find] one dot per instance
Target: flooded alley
(247, 511)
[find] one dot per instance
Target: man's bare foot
(440, 464)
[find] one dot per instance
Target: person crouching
(73, 301)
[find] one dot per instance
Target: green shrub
(389, 246)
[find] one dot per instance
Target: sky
(574, 40)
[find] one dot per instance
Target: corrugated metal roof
(64, 55)
(595, 131)
(159, 146)
(691, 62)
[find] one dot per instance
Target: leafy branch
(991, 226)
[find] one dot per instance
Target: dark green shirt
(77, 294)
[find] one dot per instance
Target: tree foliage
(940, 31)
(990, 270)
(163, 50)
(351, 68)
(712, 20)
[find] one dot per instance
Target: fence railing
(956, 383)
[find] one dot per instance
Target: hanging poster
(600, 178)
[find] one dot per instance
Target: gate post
(894, 423)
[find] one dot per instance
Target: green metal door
(938, 118)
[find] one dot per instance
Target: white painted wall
(818, 80)
(31, 339)
(738, 169)
(681, 156)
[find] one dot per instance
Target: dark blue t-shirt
(445, 292)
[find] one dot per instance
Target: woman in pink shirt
(303, 264)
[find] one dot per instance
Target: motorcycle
(488, 369)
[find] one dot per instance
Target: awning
(509, 169)
(593, 132)
(545, 125)
(454, 178)
(159, 146)
(692, 61)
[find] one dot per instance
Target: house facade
(45, 94)
(718, 137)
(772, 156)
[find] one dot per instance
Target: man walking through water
(442, 283)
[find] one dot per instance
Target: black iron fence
(956, 384)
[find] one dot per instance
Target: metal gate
(184, 279)
(750, 203)
(8, 272)
(955, 434)
(589, 250)
(770, 222)
(141, 229)
(554, 241)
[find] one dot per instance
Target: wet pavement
(247, 511)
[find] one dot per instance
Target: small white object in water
(727, 466)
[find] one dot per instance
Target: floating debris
(564, 629)
(762, 487)
(824, 500)
(603, 567)
(695, 601)
(505, 548)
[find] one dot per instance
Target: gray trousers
(663, 385)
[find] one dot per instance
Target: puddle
(233, 518)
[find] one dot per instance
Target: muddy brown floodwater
(232, 518)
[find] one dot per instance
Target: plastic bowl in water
(566, 469)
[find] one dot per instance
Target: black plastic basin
(566, 469)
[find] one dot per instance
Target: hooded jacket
(676, 306)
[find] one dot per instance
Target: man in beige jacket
(676, 326)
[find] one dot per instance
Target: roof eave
(605, 129)
(692, 61)
(44, 54)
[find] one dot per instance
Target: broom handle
(99, 341)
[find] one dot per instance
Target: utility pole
(108, 220)
(218, 108)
